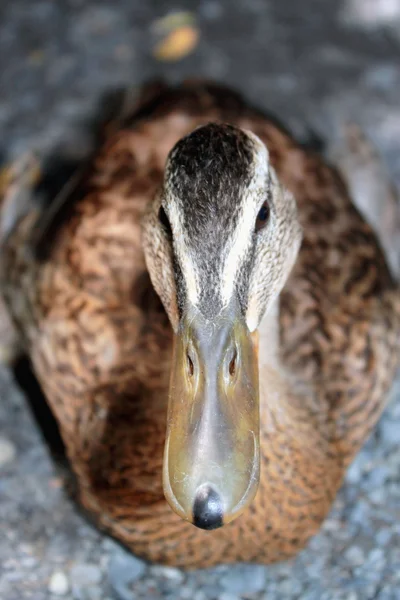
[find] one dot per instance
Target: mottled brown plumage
(100, 341)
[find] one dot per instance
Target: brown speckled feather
(100, 341)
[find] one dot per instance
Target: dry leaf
(177, 36)
(177, 44)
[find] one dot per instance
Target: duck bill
(211, 460)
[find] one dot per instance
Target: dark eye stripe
(162, 216)
(263, 216)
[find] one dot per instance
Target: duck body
(100, 340)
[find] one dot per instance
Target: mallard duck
(212, 322)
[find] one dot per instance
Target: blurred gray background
(316, 64)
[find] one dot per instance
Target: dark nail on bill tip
(207, 509)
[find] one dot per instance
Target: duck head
(220, 240)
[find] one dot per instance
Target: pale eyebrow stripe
(237, 251)
(242, 236)
(186, 263)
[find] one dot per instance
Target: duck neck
(268, 332)
(284, 401)
(274, 388)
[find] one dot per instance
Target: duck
(212, 322)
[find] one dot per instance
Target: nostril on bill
(207, 508)
(190, 365)
(232, 364)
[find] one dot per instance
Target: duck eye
(263, 216)
(162, 216)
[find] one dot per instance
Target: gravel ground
(316, 64)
